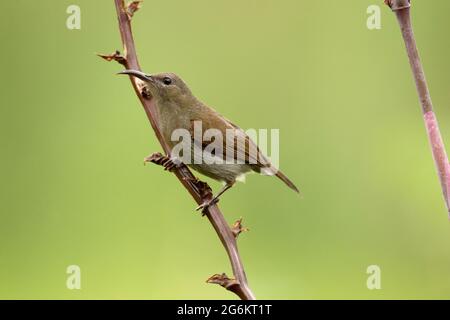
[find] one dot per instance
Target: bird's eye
(167, 81)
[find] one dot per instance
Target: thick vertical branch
(199, 190)
(402, 10)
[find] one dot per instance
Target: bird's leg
(162, 160)
(215, 199)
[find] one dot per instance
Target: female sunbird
(178, 108)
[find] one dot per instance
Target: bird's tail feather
(286, 180)
(272, 171)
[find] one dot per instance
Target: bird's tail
(286, 180)
(272, 171)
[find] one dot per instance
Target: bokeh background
(73, 136)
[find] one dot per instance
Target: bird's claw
(206, 204)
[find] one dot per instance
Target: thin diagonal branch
(200, 191)
(402, 10)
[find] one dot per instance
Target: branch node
(161, 160)
(145, 92)
(204, 189)
(237, 228)
(132, 7)
(116, 56)
(224, 281)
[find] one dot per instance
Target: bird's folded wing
(236, 145)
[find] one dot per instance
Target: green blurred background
(73, 136)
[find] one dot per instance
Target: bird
(179, 109)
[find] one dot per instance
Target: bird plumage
(178, 108)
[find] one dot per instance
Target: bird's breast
(173, 121)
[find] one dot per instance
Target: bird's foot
(206, 204)
(162, 160)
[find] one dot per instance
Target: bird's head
(163, 86)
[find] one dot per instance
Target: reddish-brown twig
(199, 190)
(402, 11)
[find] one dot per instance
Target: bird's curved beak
(138, 74)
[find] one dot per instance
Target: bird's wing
(263, 164)
(247, 147)
(246, 150)
(236, 144)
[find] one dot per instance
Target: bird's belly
(222, 172)
(214, 166)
